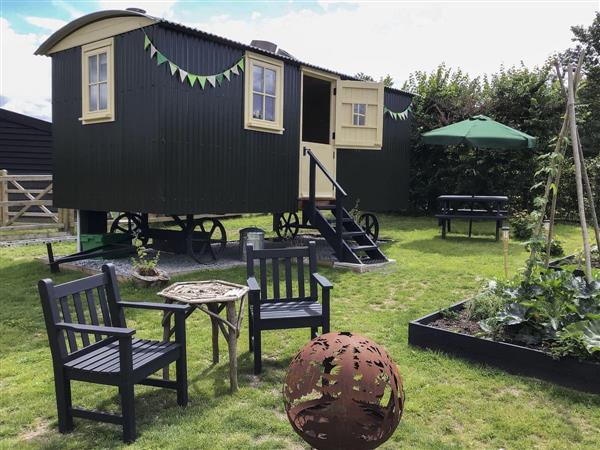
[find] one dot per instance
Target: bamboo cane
(589, 193)
(557, 149)
(578, 177)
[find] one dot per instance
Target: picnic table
(471, 208)
(211, 297)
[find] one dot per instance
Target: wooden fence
(25, 204)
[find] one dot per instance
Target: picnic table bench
(471, 208)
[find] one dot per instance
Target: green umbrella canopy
(479, 131)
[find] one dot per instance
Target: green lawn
(450, 403)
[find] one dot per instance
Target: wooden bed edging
(515, 359)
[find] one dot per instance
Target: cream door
(326, 154)
(359, 115)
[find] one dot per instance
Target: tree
(387, 80)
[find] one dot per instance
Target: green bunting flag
(402, 115)
(214, 80)
(160, 58)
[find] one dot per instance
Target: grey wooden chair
(285, 309)
(90, 341)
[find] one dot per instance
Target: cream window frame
(357, 115)
(105, 115)
(250, 122)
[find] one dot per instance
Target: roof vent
(264, 45)
(271, 48)
(137, 10)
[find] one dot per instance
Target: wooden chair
(88, 315)
(282, 310)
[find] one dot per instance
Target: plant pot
(569, 372)
(145, 281)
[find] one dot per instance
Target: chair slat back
(83, 301)
(275, 266)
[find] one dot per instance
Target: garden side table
(211, 297)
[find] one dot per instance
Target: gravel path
(174, 264)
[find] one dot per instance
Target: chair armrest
(96, 329)
(323, 282)
(253, 285)
(167, 307)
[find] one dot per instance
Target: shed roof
(28, 121)
(82, 21)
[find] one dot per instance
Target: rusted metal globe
(343, 391)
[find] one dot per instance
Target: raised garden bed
(516, 359)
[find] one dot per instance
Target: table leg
(470, 227)
(232, 347)
(443, 228)
(213, 307)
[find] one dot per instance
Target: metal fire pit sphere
(343, 391)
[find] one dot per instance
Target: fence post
(3, 197)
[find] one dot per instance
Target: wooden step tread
(363, 248)
(353, 233)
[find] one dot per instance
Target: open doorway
(317, 131)
(316, 111)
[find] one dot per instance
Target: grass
(450, 403)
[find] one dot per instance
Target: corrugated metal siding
(172, 148)
(25, 149)
(380, 178)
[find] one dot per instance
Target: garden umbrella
(479, 131)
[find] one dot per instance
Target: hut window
(264, 94)
(97, 82)
(359, 114)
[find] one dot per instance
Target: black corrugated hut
(151, 116)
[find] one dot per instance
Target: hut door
(359, 109)
(317, 126)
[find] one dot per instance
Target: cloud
(46, 23)
(162, 8)
(398, 38)
(25, 80)
(70, 9)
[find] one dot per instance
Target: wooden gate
(25, 203)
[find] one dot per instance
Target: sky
(374, 37)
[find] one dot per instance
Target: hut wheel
(287, 225)
(209, 238)
(370, 225)
(131, 224)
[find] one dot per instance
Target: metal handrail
(325, 172)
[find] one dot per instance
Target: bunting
(402, 115)
(214, 80)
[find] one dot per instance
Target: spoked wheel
(370, 225)
(287, 225)
(209, 240)
(131, 224)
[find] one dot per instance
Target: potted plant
(145, 271)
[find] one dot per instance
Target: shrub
(485, 304)
(143, 264)
(521, 224)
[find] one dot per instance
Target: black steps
(356, 246)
